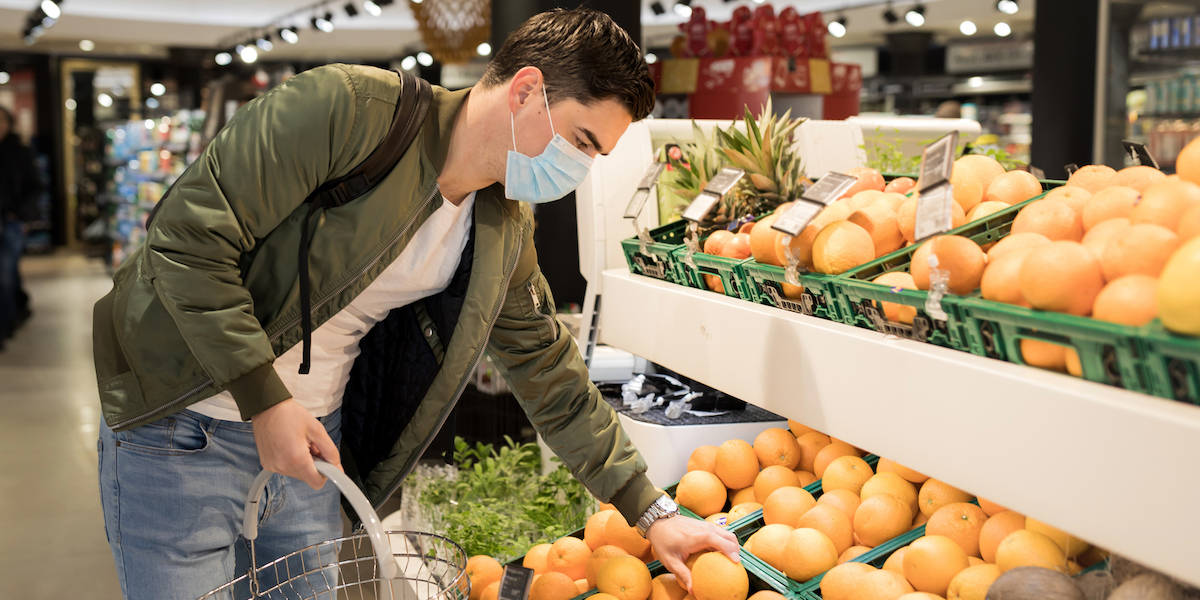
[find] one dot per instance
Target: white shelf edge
(1106, 464)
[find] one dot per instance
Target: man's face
(593, 128)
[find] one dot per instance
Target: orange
(1071, 545)
(482, 570)
(701, 492)
(887, 465)
(1092, 178)
(805, 477)
(798, 429)
(961, 257)
(881, 585)
(1002, 279)
(827, 454)
(842, 246)
(1044, 355)
(846, 473)
(995, 529)
(769, 543)
(1052, 218)
(810, 444)
(906, 218)
(603, 596)
(920, 520)
(972, 583)
(569, 556)
(666, 587)
(626, 537)
(742, 496)
(895, 562)
(975, 560)
(935, 494)
(593, 531)
(1187, 164)
(1130, 300)
(881, 518)
(1098, 237)
(868, 179)
(715, 577)
(879, 221)
(1062, 276)
(766, 595)
(893, 484)
(776, 446)
(1189, 224)
(703, 458)
(832, 522)
(1075, 197)
(899, 313)
(1179, 290)
(840, 581)
(808, 553)
(990, 508)
(852, 553)
(743, 510)
(983, 209)
(537, 558)
(720, 519)
(1143, 249)
(1024, 548)
(932, 561)
(1111, 203)
(716, 241)
(1165, 202)
(582, 585)
(553, 586)
(1074, 365)
(773, 478)
(968, 194)
(785, 505)
(959, 521)
(1138, 177)
(1016, 242)
(491, 591)
(978, 167)
(737, 464)
(599, 557)
(919, 596)
(900, 185)
(843, 500)
(1013, 187)
(625, 577)
(763, 239)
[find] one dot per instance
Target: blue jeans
(174, 492)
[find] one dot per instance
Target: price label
(937, 161)
(795, 219)
(649, 178)
(717, 187)
(515, 583)
(1070, 168)
(700, 207)
(1036, 172)
(829, 188)
(1138, 152)
(933, 212)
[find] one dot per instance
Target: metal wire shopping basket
(369, 564)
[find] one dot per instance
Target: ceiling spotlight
(4, 77)
(54, 11)
(289, 35)
(223, 58)
(372, 8)
(1008, 7)
(409, 63)
(975, 81)
(264, 43)
(657, 8)
(351, 10)
(417, 1)
(890, 15)
(247, 52)
(915, 15)
(968, 27)
(70, 104)
(484, 49)
(157, 88)
(151, 103)
(651, 58)
(425, 58)
(87, 45)
(837, 27)
(1002, 29)
(683, 8)
(104, 100)
(323, 23)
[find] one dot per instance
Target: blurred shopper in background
(19, 186)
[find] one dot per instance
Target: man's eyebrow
(592, 139)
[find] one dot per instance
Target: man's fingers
(682, 576)
(725, 542)
(326, 449)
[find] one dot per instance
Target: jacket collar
(440, 124)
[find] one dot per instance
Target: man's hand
(675, 539)
(288, 437)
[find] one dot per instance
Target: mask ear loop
(512, 127)
(547, 99)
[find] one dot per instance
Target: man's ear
(525, 86)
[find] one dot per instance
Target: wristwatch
(662, 508)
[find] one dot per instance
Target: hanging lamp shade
(453, 29)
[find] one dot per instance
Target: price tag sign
(638, 202)
(933, 212)
(1138, 152)
(816, 197)
(795, 219)
(1070, 168)
(515, 583)
(700, 207)
(937, 161)
(717, 187)
(829, 188)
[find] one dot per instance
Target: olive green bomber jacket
(212, 297)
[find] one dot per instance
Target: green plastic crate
(708, 264)
(764, 285)
(753, 570)
(655, 259)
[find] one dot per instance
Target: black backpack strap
(411, 108)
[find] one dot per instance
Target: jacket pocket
(178, 435)
(542, 308)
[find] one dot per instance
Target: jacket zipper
(537, 307)
(462, 385)
(317, 305)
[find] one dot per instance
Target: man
(19, 186)
(410, 284)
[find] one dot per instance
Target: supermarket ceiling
(144, 27)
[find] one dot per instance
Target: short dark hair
(582, 54)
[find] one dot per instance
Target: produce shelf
(1103, 463)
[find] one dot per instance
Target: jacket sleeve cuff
(635, 498)
(258, 390)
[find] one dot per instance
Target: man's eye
(581, 144)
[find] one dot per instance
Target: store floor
(50, 520)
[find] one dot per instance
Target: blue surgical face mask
(554, 173)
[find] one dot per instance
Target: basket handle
(370, 520)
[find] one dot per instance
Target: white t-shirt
(423, 269)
